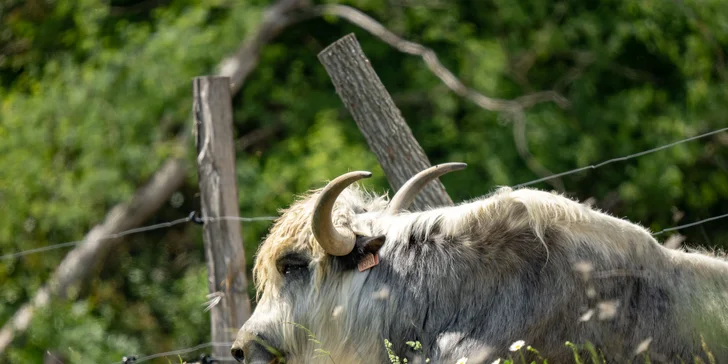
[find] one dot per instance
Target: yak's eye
(292, 264)
(292, 269)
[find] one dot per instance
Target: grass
(595, 356)
(518, 348)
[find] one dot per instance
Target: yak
(343, 271)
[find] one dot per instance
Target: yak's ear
(364, 246)
(369, 244)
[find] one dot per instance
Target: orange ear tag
(368, 261)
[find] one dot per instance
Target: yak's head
(305, 270)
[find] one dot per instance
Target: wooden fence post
(379, 119)
(223, 241)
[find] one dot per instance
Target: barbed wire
(112, 236)
(243, 219)
(191, 218)
(635, 155)
(181, 352)
(691, 224)
(620, 159)
(249, 219)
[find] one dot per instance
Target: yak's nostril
(238, 354)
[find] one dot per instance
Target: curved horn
(406, 195)
(334, 241)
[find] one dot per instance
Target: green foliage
(393, 358)
(93, 94)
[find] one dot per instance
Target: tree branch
(370, 25)
(256, 136)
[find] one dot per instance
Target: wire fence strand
(193, 218)
(243, 219)
(162, 225)
(620, 159)
(699, 222)
(182, 352)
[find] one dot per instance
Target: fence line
(180, 352)
(691, 224)
(620, 159)
(244, 219)
(191, 218)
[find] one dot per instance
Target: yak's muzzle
(254, 349)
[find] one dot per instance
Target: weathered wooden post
(213, 117)
(379, 119)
